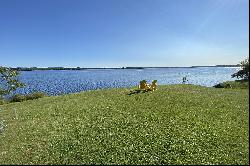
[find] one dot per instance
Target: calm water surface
(70, 81)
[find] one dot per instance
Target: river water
(56, 82)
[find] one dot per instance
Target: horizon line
(123, 67)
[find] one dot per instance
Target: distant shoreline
(81, 68)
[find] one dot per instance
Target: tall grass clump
(2, 101)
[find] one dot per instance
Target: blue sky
(116, 33)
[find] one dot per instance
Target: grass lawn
(177, 124)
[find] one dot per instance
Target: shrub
(35, 95)
(239, 84)
(32, 96)
(18, 98)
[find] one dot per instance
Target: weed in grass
(2, 126)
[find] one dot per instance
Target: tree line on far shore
(84, 68)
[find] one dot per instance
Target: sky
(117, 33)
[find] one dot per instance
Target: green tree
(244, 72)
(8, 81)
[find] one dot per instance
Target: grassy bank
(177, 124)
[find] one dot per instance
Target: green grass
(177, 124)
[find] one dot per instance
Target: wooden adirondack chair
(153, 86)
(144, 86)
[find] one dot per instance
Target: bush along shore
(239, 84)
(21, 98)
(176, 124)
